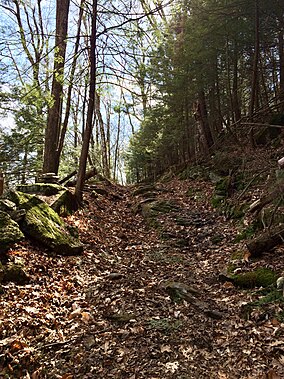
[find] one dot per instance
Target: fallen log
(90, 174)
(262, 202)
(69, 176)
(266, 241)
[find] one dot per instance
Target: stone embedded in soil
(10, 232)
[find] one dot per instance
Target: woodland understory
(108, 313)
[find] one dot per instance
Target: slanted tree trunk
(91, 106)
(52, 132)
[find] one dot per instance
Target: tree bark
(254, 85)
(91, 107)
(1, 184)
(70, 87)
(52, 132)
(266, 241)
(202, 118)
(281, 68)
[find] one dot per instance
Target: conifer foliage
(217, 65)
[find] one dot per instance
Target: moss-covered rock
(64, 203)
(151, 210)
(141, 190)
(45, 189)
(13, 272)
(10, 232)
(43, 224)
(261, 277)
(7, 206)
(221, 192)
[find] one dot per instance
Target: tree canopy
(170, 77)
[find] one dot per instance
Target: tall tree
(91, 105)
(52, 131)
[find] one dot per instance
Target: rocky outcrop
(44, 225)
(10, 232)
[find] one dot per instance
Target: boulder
(44, 225)
(45, 189)
(10, 208)
(10, 232)
(56, 196)
(13, 272)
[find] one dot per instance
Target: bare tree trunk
(116, 151)
(70, 87)
(52, 132)
(103, 137)
(281, 59)
(1, 183)
(202, 118)
(254, 85)
(91, 107)
(236, 101)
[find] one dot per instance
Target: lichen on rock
(10, 232)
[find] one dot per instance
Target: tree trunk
(202, 119)
(235, 94)
(254, 85)
(266, 242)
(281, 68)
(52, 132)
(91, 107)
(70, 87)
(1, 183)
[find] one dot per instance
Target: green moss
(164, 324)
(271, 297)
(235, 211)
(9, 231)
(267, 305)
(217, 201)
(45, 189)
(152, 209)
(42, 223)
(262, 277)
(237, 255)
(248, 232)
(222, 186)
(15, 273)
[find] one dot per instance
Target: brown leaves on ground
(105, 314)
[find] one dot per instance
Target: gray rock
(10, 232)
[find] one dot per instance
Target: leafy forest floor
(107, 314)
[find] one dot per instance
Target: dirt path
(107, 314)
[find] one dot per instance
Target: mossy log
(266, 241)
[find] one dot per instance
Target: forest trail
(109, 314)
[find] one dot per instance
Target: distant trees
(47, 79)
(217, 63)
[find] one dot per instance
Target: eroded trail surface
(125, 308)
